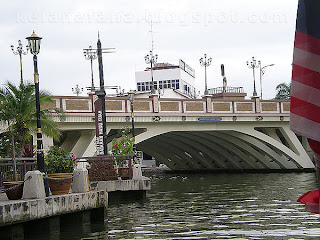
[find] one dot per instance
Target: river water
(216, 206)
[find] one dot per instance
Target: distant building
(170, 81)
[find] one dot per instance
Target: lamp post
(204, 62)
(262, 72)
(253, 65)
(131, 99)
(90, 54)
(34, 45)
(77, 90)
(151, 59)
(19, 51)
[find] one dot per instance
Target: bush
(59, 161)
(123, 145)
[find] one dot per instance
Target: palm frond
(18, 107)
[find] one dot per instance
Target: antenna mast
(151, 31)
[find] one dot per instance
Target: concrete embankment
(23, 217)
(16, 211)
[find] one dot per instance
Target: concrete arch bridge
(201, 134)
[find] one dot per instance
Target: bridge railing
(226, 90)
(121, 105)
(23, 166)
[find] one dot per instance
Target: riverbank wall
(16, 216)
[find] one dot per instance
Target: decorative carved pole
(101, 124)
(102, 95)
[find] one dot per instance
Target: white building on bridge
(170, 81)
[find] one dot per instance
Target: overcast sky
(229, 31)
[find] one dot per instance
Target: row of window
(169, 84)
(166, 84)
(146, 86)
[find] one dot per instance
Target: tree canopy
(283, 91)
(18, 110)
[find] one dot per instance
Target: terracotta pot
(16, 192)
(124, 172)
(58, 187)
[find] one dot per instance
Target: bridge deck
(193, 134)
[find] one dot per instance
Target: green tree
(283, 91)
(18, 114)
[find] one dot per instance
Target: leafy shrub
(59, 161)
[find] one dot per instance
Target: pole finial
(222, 70)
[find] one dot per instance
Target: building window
(147, 86)
(160, 85)
(173, 84)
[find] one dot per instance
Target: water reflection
(217, 206)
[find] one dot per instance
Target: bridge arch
(208, 147)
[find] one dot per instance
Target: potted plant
(13, 189)
(60, 165)
(123, 146)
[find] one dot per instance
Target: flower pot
(124, 172)
(15, 191)
(58, 185)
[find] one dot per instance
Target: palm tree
(284, 91)
(18, 113)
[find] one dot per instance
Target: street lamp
(77, 90)
(204, 62)
(20, 52)
(34, 45)
(262, 72)
(90, 54)
(253, 64)
(131, 99)
(151, 59)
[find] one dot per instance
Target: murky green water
(223, 206)
(210, 206)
